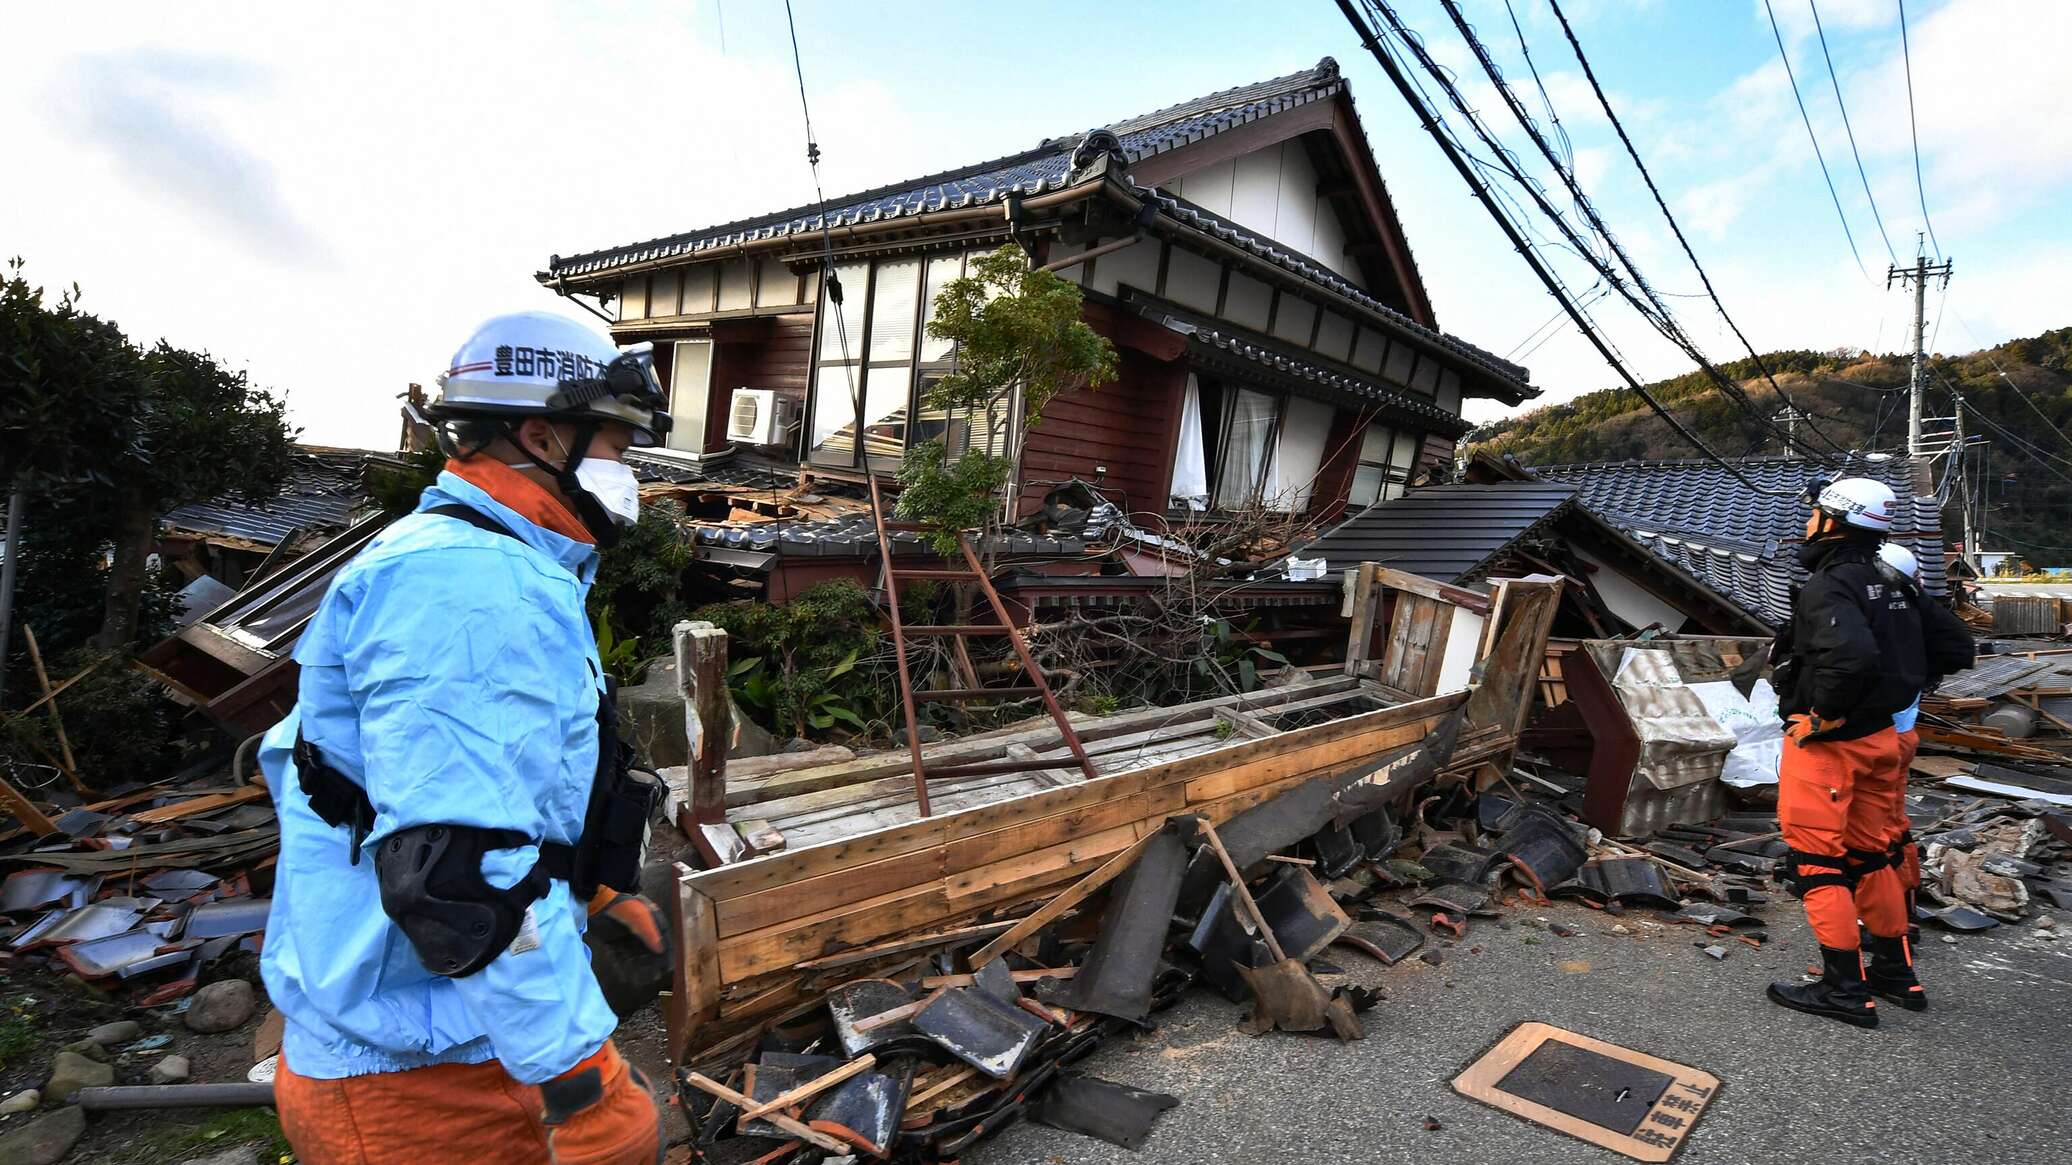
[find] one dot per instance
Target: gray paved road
(1976, 1079)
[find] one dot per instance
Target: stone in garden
(45, 1140)
(221, 1007)
(71, 1072)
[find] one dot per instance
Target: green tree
(206, 433)
(1017, 329)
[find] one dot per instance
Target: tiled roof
(1434, 418)
(1443, 532)
(1696, 514)
(323, 490)
(1186, 212)
(1034, 171)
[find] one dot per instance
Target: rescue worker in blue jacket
(453, 801)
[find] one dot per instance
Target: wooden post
(57, 722)
(1366, 595)
(694, 993)
(701, 667)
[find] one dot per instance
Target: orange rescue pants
(1845, 801)
(446, 1112)
(1908, 859)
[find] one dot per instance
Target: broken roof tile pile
(141, 892)
(1743, 543)
(325, 489)
(914, 1051)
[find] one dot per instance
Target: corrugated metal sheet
(2028, 615)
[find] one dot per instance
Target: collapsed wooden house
(864, 880)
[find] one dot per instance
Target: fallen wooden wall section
(745, 929)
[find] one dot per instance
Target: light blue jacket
(1903, 720)
(451, 672)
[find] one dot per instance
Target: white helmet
(1900, 559)
(537, 364)
(1860, 502)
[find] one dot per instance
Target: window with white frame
(1387, 456)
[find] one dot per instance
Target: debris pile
(141, 892)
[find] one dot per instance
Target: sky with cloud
(331, 197)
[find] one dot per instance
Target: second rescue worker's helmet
(537, 364)
(1860, 502)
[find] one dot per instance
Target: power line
(1906, 54)
(1372, 40)
(1568, 152)
(1836, 79)
(1653, 310)
(1814, 138)
(1633, 152)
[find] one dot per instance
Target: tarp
(1758, 731)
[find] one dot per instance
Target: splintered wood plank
(1038, 865)
(970, 852)
(767, 908)
(827, 931)
(194, 805)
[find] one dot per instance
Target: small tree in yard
(1016, 328)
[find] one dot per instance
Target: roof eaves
(1216, 226)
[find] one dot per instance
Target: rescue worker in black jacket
(1855, 654)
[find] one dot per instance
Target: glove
(601, 1113)
(1812, 727)
(630, 951)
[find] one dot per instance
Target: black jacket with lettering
(1856, 650)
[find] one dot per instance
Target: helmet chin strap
(589, 510)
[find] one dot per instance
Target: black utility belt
(610, 852)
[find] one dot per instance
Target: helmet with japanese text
(537, 364)
(1861, 502)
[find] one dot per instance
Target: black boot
(1840, 992)
(1891, 973)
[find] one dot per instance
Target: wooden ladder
(958, 633)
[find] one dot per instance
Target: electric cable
(1906, 54)
(1755, 420)
(1785, 56)
(1371, 39)
(1836, 79)
(1633, 152)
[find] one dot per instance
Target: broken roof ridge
(1762, 459)
(1324, 75)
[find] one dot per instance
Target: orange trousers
(1909, 861)
(1845, 801)
(446, 1112)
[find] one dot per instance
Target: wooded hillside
(1859, 400)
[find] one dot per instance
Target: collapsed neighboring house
(233, 542)
(1470, 532)
(1742, 543)
(1276, 345)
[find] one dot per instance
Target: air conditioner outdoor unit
(760, 416)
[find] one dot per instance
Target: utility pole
(1957, 453)
(1790, 416)
(1918, 275)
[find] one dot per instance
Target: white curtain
(1245, 450)
(1190, 489)
(1297, 455)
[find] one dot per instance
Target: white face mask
(614, 487)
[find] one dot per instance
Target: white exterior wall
(1273, 192)
(1629, 600)
(1132, 266)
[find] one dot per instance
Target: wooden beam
(25, 810)
(818, 1140)
(809, 1089)
(57, 722)
(701, 667)
(694, 997)
(1366, 597)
